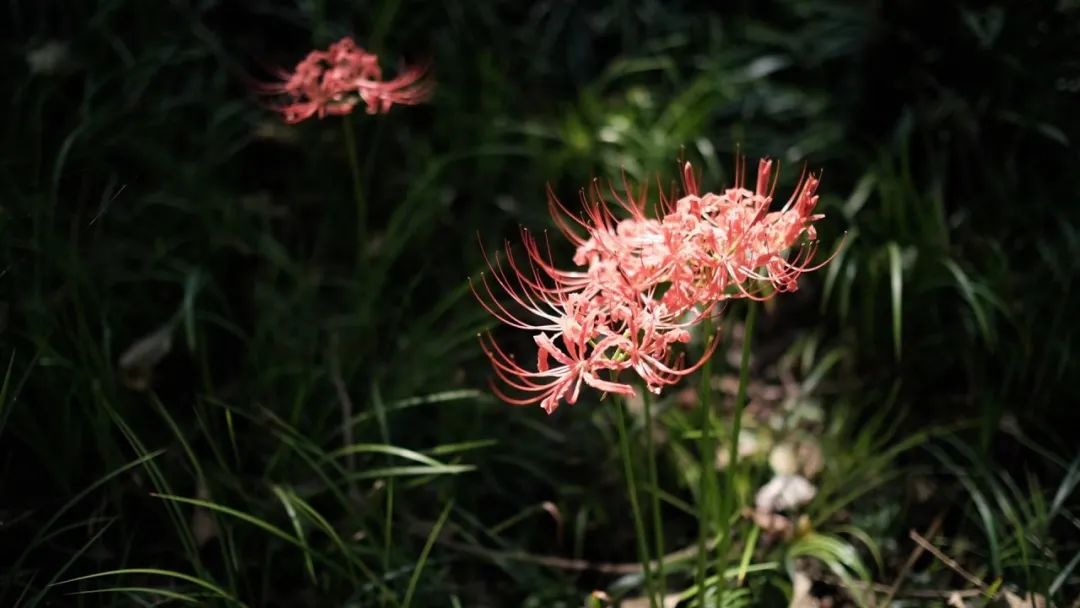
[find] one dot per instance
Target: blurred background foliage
(182, 313)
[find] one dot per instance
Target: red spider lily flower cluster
(335, 81)
(641, 283)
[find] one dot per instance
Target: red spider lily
(333, 82)
(577, 363)
(643, 283)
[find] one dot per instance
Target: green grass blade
(390, 450)
(194, 580)
(258, 523)
(462, 446)
(428, 544)
(165, 593)
(160, 481)
(967, 290)
(389, 483)
(982, 506)
(175, 428)
(44, 529)
(896, 290)
(74, 557)
(432, 399)
(832, 271)
(246, 517)
(748, 554)
(4, 388)
(1063, 576)
(351, 560)
(299, 528)
(232, 436)
(1068, 485)
(867, 541)
(411, 471)
(837, 555)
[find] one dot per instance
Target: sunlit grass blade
(462, 446)
(833, 270)
(840, 557)
(867, 541)
(390, 450)
(748, 554)
(860, 194)
(411, 471)
(896, 291)
(731, 574)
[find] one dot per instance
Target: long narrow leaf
(896, 290)
(165, 593)
(194, 580)
(298, 527)
(434, 534)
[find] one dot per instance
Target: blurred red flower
(334, 81)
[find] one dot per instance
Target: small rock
(784, 493)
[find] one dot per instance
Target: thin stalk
(631, 485)
(708, 466)
(415, 578)
(388, 524)
(654, 484)
(733, 447)
(358, 189)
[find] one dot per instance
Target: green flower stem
(358, 189)
(729, 501)
(708, 466)
(654, 485)
(632, 490)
